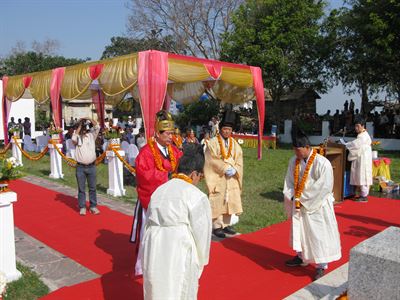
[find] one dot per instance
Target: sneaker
(94, 210)
(229, 230)
(319, 273)
(295, 262)
(82, 211)
(219, 232)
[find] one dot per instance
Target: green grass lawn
(28, 287)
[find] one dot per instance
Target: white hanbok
(176, 241)
(361, 160)
(314, 230)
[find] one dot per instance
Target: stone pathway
(55, 269)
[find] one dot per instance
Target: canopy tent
(153, 77)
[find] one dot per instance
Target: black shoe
(319, 273)
(229, 230)
(361, 199)
(295, 262)
(219, 232)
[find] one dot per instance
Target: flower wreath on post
(9, 170)
(3, 285)
(55, 133)
(113, 136)
(14, 130)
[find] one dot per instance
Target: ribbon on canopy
(259, 91)
(98, 100)
(57, 76)
(6, 104)
(152, 81)
(213, 69)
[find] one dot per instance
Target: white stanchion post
(55, 161)
(16, 153)
(7, 240)
(115, 174)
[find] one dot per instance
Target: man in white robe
(361, 160)
(176, 241)
(314, 230)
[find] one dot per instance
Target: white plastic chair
(125, 146)
(28, 144)
(70, 147)
(132, 152)
(41, 142)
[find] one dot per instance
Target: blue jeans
(89, 173)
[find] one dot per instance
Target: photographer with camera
(84, 138)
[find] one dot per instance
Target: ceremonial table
(381, 167)
(251, 140)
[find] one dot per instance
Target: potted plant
(10, 169)
(15, 130)
(113, 135)
(375, 145)
(54, 132)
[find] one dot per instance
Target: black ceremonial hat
(228, 119)
(299, 138)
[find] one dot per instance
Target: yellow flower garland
(299, 186)
(222, 148)
(157, 157)
(183, 177)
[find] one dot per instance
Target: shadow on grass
(44, 172)
(274, 195)
(101, 188)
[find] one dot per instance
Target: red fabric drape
(167, 102)
(6, 104)
(258, 85)
(98, 100)
(27, 81)
(95, 71)
(213, 69)
(57, 77)
(152, 81)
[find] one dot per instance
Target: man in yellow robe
(223, 172)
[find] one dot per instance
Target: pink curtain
(57, 77)
(152, 83)
(6, 110)
(258, 85)
(98, 100)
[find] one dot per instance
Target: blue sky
(84, 28)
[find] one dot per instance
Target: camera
(86, 125)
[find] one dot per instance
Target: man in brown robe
(223, 172)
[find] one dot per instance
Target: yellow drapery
(119, 75)
(40, 86)
(186, 71)
(15, 88)
(76, 81)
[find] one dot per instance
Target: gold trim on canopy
(230, 93)
(119, 74)
(238, 77)
(76, 81)
(40, 86)
(186, 93)
(186, 71)
(15, 88)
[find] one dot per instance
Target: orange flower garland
(299, 186)
(157, 157)
(222, 148)
(183, 177)
(177, 139)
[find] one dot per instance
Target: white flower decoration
(3, 283)
(240, 141)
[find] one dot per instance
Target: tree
(283, 37)
(365, 39)
(124, 45)
(196, 25)
(198, 113)
(22, 63)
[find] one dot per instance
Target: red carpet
(248, 267)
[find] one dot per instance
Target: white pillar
(16, 153)
(115, 174)
(55, 162)
(7, 239)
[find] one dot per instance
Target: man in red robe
(157, 160)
